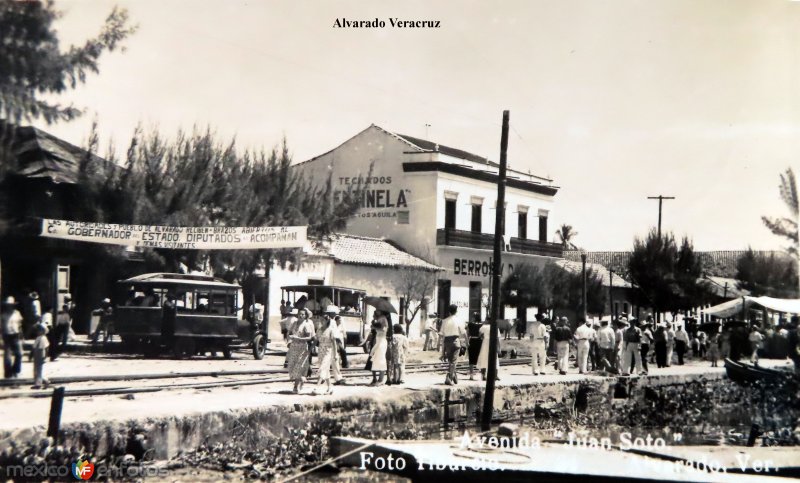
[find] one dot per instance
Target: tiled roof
(362, 250)
(599, 271)
(724, 287)
(42, 155)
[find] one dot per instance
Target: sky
(614, 100)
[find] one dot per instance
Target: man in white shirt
(606, 345)
(537, 332)
(584, 335)
(670, 343)
(681, 343)
(12, 342)
(430, 333)
(756, 340)
(454, 335)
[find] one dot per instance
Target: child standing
(400, 342)
(713, 349)
(39, 353)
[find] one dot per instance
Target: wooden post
(491, 371)
(56, 405)
(583, 286)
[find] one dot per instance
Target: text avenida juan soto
(392, 22)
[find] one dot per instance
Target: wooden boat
(749, 374)
(547, 461)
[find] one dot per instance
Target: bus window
(202, 298)
(221, 303)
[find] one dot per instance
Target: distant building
(44, 181)
(438, 203)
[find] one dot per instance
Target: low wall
(398, 413)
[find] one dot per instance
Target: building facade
(439, 203)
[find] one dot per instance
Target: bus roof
(178, 279)
(305, 288)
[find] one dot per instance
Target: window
(402, 217)
(476, 218)
(450, 214)
(443, 296)
(474, 301)
(625, 307)
(542, 225)
(522, 225)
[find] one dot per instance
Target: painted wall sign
(178, 237)
(379, 195)
(483, 268)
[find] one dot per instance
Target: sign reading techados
(178, 237)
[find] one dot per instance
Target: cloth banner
(178, 237)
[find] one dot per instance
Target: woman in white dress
(378, 352)
(483, 355)
(327, 354)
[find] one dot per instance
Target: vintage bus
(185, 314)
(348, 301)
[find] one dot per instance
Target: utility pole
(583, 285)
(660, 201)
(610, 296)
(491, 370)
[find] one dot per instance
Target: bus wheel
(150, 348)
(183, 348)
(226, 352)
(259, 346)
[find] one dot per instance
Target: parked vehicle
(185, 314)
(349, 302)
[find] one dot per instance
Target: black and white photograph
(400, 241)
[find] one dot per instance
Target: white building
(438, 203)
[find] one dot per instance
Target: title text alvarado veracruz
(393, 22)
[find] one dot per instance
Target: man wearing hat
(12, 326)
(106, 325)
(619, 339)
(606, 344)
(537, 332)
(430, 333)
(631, 340)
(339, 354)
(60, 332)
(584, 335)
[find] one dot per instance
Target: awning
(733, 307)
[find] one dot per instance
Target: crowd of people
(623, 346)
(50, 330)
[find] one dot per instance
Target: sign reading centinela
(178, 237)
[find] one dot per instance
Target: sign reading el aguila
(178, 237)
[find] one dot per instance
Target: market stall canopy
(733, 307)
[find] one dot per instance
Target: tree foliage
(566, 234)
(667, 276)
(198, 180)
(770, 275)
(787, 226)
(33, 66)
(553, 287)
(415, 286)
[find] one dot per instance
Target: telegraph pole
(660, 201)
(491, 370)
(583, 285)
